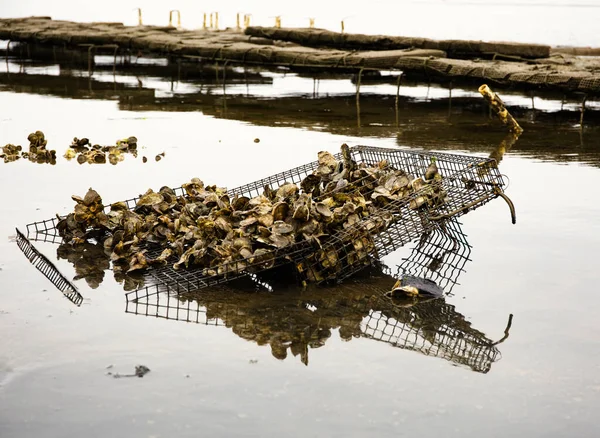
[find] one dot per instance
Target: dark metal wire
(440, 255)
(46, 267)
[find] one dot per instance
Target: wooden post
(311, 23)
(398, 99)
(582, 111)
(204, 21)
(358, 96)
(139, 16)
(178, 17)
(497, 106)
(216, 20)
(449, 100)
(237, 21)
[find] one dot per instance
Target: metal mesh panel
(468, 181)
(47, 268)
(440, 255)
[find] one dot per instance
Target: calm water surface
(293, 362)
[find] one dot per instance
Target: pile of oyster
(222, 233)
(83, 150)
(37, 152)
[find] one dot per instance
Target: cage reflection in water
(294, 320)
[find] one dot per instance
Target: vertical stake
(358, 96)
(399, 82)
(237, 21)
(582, 111)
(204, 21)
(139, 16)
(178, 17)
(216, 20)
(342, 26)
(224, 92)
(115, 62)
(450, 100)
(90, 60)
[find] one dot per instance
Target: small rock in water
(144, 160)
(257, 140)
(141, 370)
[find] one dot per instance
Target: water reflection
(90, 262)
(292, 321)
(459, 122)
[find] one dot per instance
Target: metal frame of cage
(468, 181)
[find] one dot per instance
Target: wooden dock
(504, 65)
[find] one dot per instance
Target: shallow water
(340, 376)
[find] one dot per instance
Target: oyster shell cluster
(36, 153)
(83, 150)
(223, 233)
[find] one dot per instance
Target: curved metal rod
(513, 213)
(506, 330)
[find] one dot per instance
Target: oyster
(302, 207)
(334, 212)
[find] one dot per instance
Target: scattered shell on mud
(84, 151)
(37, 152)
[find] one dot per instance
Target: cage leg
(513, 213)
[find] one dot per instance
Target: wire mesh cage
(467, 182)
